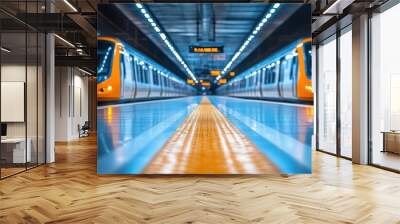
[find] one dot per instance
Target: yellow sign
(231, 74)
(215, 72)
(206, 84)
(222, 81)
(206, 50)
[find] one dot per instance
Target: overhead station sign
(206, 49)
(215, 72)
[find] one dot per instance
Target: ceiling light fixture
(65, 41)
(249, 39)
(84, 71)
(164, 37)
(5, 50)
(70, 5)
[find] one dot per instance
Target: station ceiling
(213, 24)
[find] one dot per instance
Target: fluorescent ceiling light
(338, 6)
(70, 5)
(249, 39)
(65, 41)
(164, 37)
(5, 50)
(84, 71)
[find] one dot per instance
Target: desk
(16, 148)
(391, 141)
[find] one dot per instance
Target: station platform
(205, 135)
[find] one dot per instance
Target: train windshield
(105, 51)
(307, 52)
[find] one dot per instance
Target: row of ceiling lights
(57, 36)
(249, 39)
(156, 27)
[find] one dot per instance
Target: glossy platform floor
(205, 135)
(70, 191)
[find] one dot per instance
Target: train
(125, 74)
(284, 76)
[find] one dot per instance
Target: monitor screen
(3, 129)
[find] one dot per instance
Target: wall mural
(204, 88)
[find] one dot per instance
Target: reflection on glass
(346, 94)
(31, 98)
(14, 153)
(386, 89)
(327, 96)
(23, 82)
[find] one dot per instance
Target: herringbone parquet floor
(69, 191)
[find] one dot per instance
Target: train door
(275, 90)
(294, 74)
(146, 80)
(134, 77)
(123, 75)
(286, 82)
(254, 84)
(161, 85)
(128, 80)
(140, 80)
(262, 80)
(259, 82)
(281, 79)
(150, 80)
(156, 83)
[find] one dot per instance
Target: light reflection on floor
(130, 135)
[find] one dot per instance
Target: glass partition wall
(22, 77)
(385, 89)
(327, 95)
(334, 83)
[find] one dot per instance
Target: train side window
(295, 64)
(139, 75)
(273, 74)
(146, 74)
(282, 70)
(142, 74)
(266, 76)
(133, 64)
(308, 58)
(122, 64)
(289, 67)
(154, 74)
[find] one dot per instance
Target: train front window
(105, 53)
(307, 53)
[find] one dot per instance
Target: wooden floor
(69, 191)
(207, 143)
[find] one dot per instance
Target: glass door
(327, 96)
(345, 58)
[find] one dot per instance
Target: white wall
(33, 127)
(16, 73)
(71, 102)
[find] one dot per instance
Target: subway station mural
(204, 88)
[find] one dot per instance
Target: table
(16, 147)
(391, 141)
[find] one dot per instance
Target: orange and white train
(284, 76)
(124, 74)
